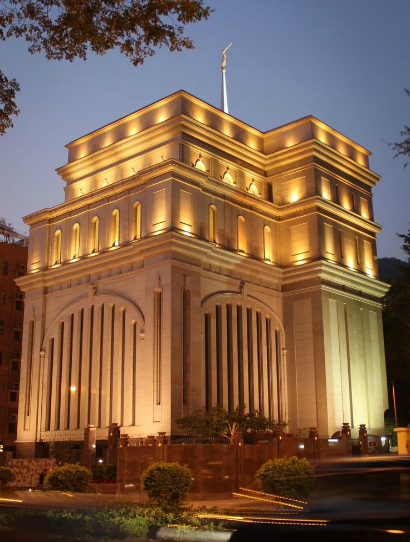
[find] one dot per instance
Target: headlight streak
(272, 495)
(267, 521)
(281, 503)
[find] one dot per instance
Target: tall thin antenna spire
(224, 95)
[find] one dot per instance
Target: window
(3, 297)
(15, 366)
(13, 397)
(227, 177)
(12, 427)
(115, 228)
(137, 220)
(364, 208)
(19, 305)
(212, 223)
(95, 230)
(5, 268)
(241, 234)
(15, 387)
(75, 246)
(1, 327)
(16, 335)
(57, 248)
(267, 244)
(353, 202)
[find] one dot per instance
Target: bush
(289, 477)
(68, 478)
(7, 475)
(167, 484)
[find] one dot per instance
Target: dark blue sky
(345, 62)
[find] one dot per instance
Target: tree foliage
(396, 325)
(402, 148)
(167, 484)
(219, 422)
(61, 451)
(69, 29)
(288, 477)
(7, 475)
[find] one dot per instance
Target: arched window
(136, 220)
(95, 232)
(75, 242)
(115, 228)
(57, 248)
(267, 244)
(241, 234)
(199, 164)
(212, 223)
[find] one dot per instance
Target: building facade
(196, 261)
(13, 261)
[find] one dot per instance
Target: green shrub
(167, 484)
(68, 478)
(7, 475)
(289, 477)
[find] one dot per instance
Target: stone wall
(28, 471)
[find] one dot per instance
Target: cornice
(333, 274)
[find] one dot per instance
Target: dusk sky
(345, 62)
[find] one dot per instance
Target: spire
(224, 95)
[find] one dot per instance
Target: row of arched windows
(241, 234)
(114, 240)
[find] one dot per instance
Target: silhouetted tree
(402, 148)
(70, 29)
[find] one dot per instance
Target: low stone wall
(28, 471)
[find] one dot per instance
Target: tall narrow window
(341, 244)
(115, 228)
(112, 353)
(219, 385)
(122, 322)
(259, 351)
(134, 369)
(353, 202)
(80, 365)
(278, 374)
(95, 233)
(157, 344)
(357, 251)
(49, 383)
(229, 356)
(241, 234)
(212, 223)
(239, 336)
(29, 372)
(250, 357)
(59, 376)
(75, 243)
(57, 248)
(69, 370)
(267, 244)
(269, 367)
(186, 339)
(337, 194)
(208, 363)
(137, 221)
(90, 361)
(100, 372)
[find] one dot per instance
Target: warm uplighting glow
(199, 164)
(73, 388)
(227, 177)
(394, 531)
(115, 228)
(253, 189)
(350, 264)
(267, 244)
(326, 189)
(294, 196)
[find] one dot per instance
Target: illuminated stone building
(195, 261)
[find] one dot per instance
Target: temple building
(198, 261)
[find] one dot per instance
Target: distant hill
(389, 268)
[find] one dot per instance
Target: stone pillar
(237, 438)
(113, 438)
(123, 441)
(347, 438)
(403, 440)
(363, 439)
(151, 440)
(88, 455)
(161, 438)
